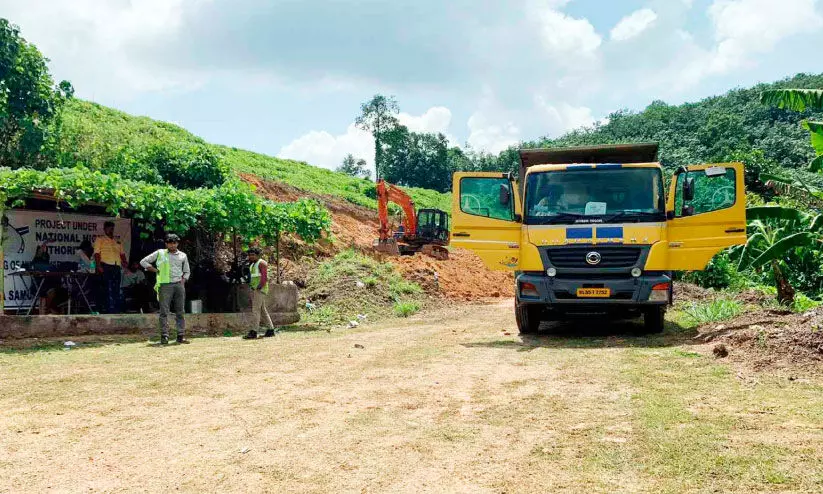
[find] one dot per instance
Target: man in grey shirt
(172, 268)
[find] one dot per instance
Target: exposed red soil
(771, 338)
(462, 277)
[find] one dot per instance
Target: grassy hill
(94, 135)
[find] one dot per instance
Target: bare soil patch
(771, 338)
(447, 401)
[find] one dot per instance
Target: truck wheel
(528, 317)
(653, 319)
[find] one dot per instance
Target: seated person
(48, 303)
(85, 257)
(136, 289)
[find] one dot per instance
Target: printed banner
(64, 232)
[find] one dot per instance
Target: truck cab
(592, 231)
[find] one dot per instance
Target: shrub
(802, 303)
(720, 273)
(406, 309)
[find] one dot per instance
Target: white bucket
(196, 306)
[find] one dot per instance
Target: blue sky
(287, 77)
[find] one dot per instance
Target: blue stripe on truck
(608, 166)
(578, 233)
(610, 232)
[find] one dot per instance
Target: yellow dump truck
(590, 230)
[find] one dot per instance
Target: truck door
(486, 218)
(706, 211)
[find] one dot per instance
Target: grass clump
(406, 309)
(352, 284)
(721, 309)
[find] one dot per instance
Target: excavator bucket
(436, 251)
(388, 246)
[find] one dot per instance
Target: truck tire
(528, 317)
(653, 319)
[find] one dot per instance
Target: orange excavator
(425, 231)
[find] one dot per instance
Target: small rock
(353, 324)
(69, 344)
(245, 450)
(360, 284)
(358, 345)
(720, 351)
(720, 327)
(756, 327)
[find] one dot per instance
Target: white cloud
(743, 29)
(435, 119)
(566, 39)
(91, 43)
(321, 148)
(748, 27)
(563, 117)
(487, 133)
(633, 24)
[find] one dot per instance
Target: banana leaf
(774, 213)
(749, 251)
(816, 130)
(776, 251)
(817, 223)
(793, 99)
(817, 164)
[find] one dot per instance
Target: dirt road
(443, 402)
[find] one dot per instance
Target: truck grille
(610, 257)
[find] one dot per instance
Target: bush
(184, 166)
(406, 309)
(721, 273)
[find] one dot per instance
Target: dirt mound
(771, 338)
(462, 277)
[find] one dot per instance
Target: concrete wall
(282, 307)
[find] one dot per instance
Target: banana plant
(801, 100)
(774, 233)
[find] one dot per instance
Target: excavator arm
(388, 192)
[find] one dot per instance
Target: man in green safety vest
(259, 284)
(172, 268)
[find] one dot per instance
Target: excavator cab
(433, 226)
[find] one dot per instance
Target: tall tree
(417, 159)
(30, 102)
(378, 115)
(354, 167)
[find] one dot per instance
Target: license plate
(594, 292)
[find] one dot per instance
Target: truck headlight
(551, 272)
(636, 272)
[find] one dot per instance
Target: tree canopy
(30, 102)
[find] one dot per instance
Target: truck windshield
(595, 196)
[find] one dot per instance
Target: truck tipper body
(591, 230)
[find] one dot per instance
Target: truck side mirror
(688, 189)
(505, 196)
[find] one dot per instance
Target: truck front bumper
(561, 292)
